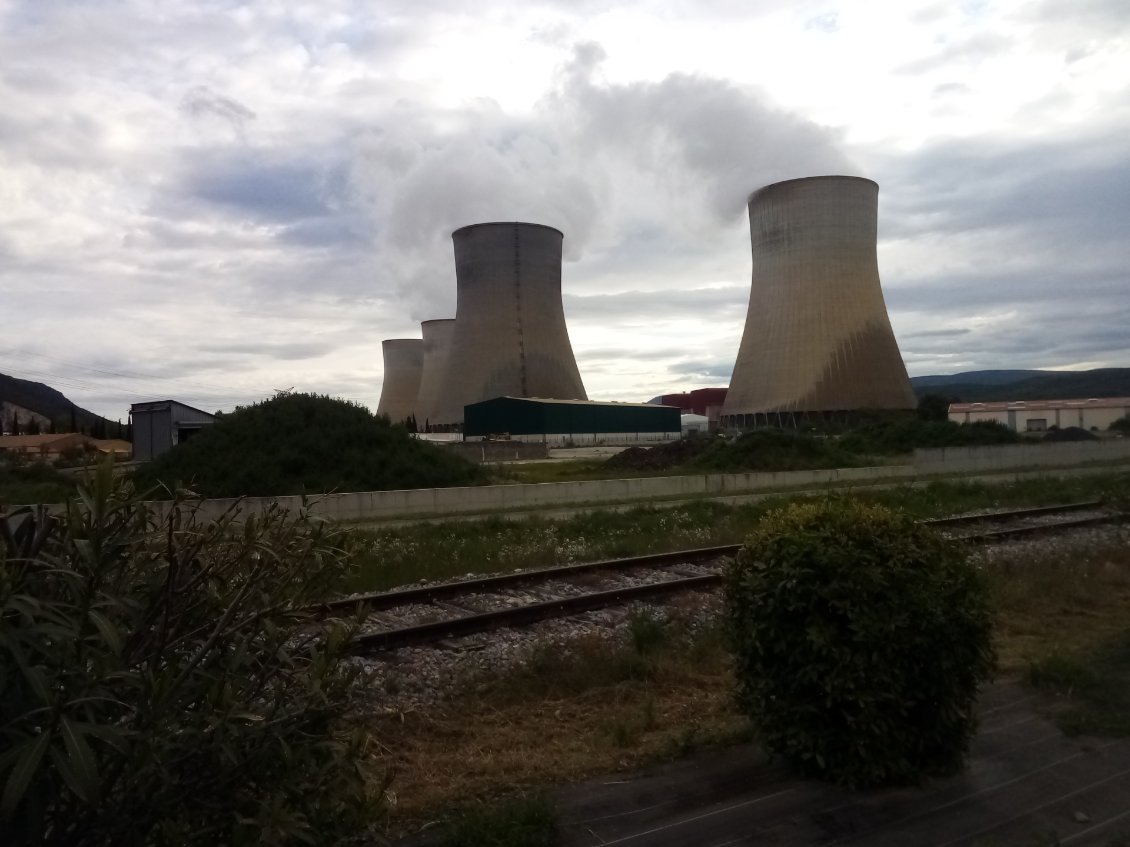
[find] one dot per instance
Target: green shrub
(860, 639)
(772, 450)
(304, 444)
(161, 684)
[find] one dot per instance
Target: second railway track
(428, 614)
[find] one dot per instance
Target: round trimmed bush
(860, 640)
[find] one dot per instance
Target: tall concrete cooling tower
(817, 337)
(510, 336)
(404, 360)
(437, 344)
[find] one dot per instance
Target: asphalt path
(1026, 783)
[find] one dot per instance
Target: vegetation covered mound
(860, 639)
(890, 437)
(660, 457)
(781, 450)
(305, 444)
(773, 450)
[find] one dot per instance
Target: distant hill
(988, 386)
(50, 404)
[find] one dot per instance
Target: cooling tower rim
(523, 224)
(773, 186)
(438, 321)
(399, 341)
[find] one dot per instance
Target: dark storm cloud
(264, 187)
(1068, 189)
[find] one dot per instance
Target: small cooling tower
(510, 337)
(817, 337)
(404, 359)
(437, 344)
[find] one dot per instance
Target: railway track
(428, 614)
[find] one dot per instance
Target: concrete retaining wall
(951, 460)
(439, 502)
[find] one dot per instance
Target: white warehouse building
(1039, 415)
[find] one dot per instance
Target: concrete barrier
(959, 460)
(375, 506)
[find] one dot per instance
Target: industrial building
(403, 362)
(510, 337)
(160, 425)
(575, 421)
(437, 336)
(817, 337)
(706, 402)
(1041, 415)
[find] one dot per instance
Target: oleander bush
(162, 684)
(860, 640)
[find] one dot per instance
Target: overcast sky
(212, 199)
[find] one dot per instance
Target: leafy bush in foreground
(303, 444)
(161, 685)
(860, 639)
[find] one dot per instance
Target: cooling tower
(510, 337)
(437, 344)
(817, 337)
(404, 358)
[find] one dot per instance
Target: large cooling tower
(437, 344)
(817, 337)
(404, 359)
(510, 336)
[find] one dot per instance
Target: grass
(396, 556)
(1093, 684)
(33, 483)
(662, 689)
(566, 713)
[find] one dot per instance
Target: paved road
(1026, 784)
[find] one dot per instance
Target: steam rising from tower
(510, 336)
(817, 337)
(403, 359)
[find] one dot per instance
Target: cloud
(201, 102)
(632, 169)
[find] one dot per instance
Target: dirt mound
(660, 457)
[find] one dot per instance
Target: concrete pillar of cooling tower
(817, 337)
(437, 345)
(404, 359)
(510, 337)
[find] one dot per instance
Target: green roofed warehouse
(576, 421)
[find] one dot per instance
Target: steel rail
(1037, 529)
(1034, 511)
(477, 622)
(426, 594)
(521, 615)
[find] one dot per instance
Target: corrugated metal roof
(1042, 405)
(616, 403)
